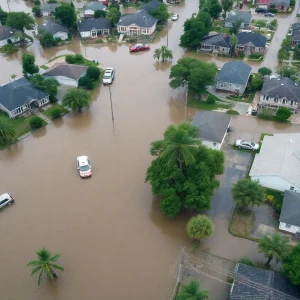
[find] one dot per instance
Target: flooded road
(114, 241)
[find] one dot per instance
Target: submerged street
(114, 241)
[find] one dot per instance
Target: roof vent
(290, 141)
(282, 84)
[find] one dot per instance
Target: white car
(108, 76)
(247, 145)
(175, 17)
(6, 199)
(84, 166)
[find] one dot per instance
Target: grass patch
(295, 56)
(221, 29)
(205, 106)
(48, 112)
(232, 112)
(298, 15)
(248, 98)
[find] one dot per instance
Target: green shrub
(86, 82)
(247, 261)
(210, 99)
(37, 2)
(52, 99)
(255, 55)
(75, 59)
(283, 114)
(241, 54)
(264, 71)
(8, 49)
(56, 113)
(273, 10)
(36, 122)
(232, 112)
(93, 72)
(159, 28)
(266, 114)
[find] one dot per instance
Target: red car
(139, 47)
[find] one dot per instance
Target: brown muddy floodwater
(114, 241)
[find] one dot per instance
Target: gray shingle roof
(6, 33)
(94, 6)
(141, 19)
(89, 24)
(281, 87)
(234, 72)
(217, 40)
(152, 5)
(280, 2)
(213, 125)
(67, 70)
(52, 27)
(256, 39)
(50, 7)
(243, 15)
(18, 93)
(295, 32)
(290, 212)
(266, 279)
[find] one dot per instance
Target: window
(215, 144)
(283, 101)
(288, 225)
(276, 99)
(268, 97)
(3, 201)
(292, 102)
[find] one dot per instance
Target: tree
(160, 13)
(86, 82)
(100, 14)
(66, 13)
(56, 113)
(28, 64)
(297, 51)
(283, 114)
(163, 52)
(76, 99)
(49, 85)
(256, 83)
(291, 267)
(264, 71)
(157, 53)
(113, 15)
(248, 193)
(215, 9)
(93, 72)
(45, 264)
(47, 40)
(3, 16)
(260, 24)
(200, 227)
(274, 246)
(7, 133)
(235, 26)
(288, 71)
(192, 292)
(233, 42)
(227, 6)
(36, 10)
(281, 55)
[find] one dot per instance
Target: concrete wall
(13, 40)
(63, 35)
(291, 229)
(232, 87)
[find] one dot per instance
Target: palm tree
(233, 42)
(76, 99)
(274, 246)
(192, 292)
(157, 53)
(166, 53)
(200, 227)
(7, 133)
(45, 264)
(248, 193)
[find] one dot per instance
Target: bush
(52, 99)
(241, 54)
(52, 1)
(93, 72)
(56, 113)
(200, 227)
(37, 2)
(36, 122)
(273, 10)
(247, 261)
(36, 10)
(75, 59)
(264, 71)
(86, 82)
(159, 28)
(266, 114)
(47, 40)
(256, 83)
(210, 99)
(8, 49)
(232, 112)
(283, 114)
(255, 55)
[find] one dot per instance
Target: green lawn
(48, 111)
(205, 106)
(220, 29)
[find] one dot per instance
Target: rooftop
(49, 7)
(236, 15)
(52, 27)
(219, 39)
(141, 19)
(290, 211)
(89, 24)
(152, 5)
(258, 40)
(94, 6)
(6, 32)
(295, 32)
(66, 70)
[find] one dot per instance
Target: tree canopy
(160, 13)
(76, 99)
(100, 14)
(66, 13)
(227, 6)
(113, 15)
(291, 266)
(264, 71)
(200, 227)
(7, 133)
(163, 52)
(20, 21)
(50, 85)
(28, 64)
(288, 71)
(235, 26)
(283, 114)
(192, 291)
(212, 7)
(3, 16)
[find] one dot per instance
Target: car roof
(109, 70)
(4, 196)
(82, 160)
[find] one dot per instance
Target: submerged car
(139, 47)
(108, 76)
(247, 145)
(175, 17)
(6, 199)
(84, 166)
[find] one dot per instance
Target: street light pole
(111, 106)
(186, 98)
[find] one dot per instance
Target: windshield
(106, 76)
(84, 168)
(252, 144)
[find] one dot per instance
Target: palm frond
(49, 272)
(40, 277)
(54, 257)
(57, 267)
(34, 270)
(34, 263)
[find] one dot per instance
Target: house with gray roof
(233, 17)
(91, 28)
(21, 96)
(251, 42)
(290, 213)
(280, 170)
(233, 77)
(260, 284)
(215, 43)
(295, 36)
(90, 8)
(140, 23)
(8, 34)
(48, 9)
(152, 5)
(55, 28)
(280, 92)
(213, 127)
(66, 74)
(280, 5)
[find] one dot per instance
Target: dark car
(268, 14)
(261, 10)
(139, 47)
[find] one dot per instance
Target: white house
(140, 23)
(89, 9)
(55, 28)
(48, 9)
(290, 213)
(66, 74)
(91, 28)
(244, 16)
(213, 127)
(277, 165)
(20, 96)
(7, 35)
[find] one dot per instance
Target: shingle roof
(66, 70)
(18, 93)
(217, 40)
(243, 15)
(52, 27)
(281, 87)
(141, 19)
(265, 280)
(280, 2)
(290, 211)
(6, 33)
(152, 5)
(284, 161)
(94, 6)
(256, 39)
(213, 125)
(234, 72)
(295, 32)
(89, 24)
(49, 7)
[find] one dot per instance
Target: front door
(94, 33)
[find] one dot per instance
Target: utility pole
(111, 106)
(8, 5)
(186, 98)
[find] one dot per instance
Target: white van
(6, 199)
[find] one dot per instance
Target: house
(295, 36)
(251, 42)
(233, 77)
(66, 74)
(48, 9)
(280, 5)
(90, 8)
(21, 96)
(277, 164)
(261, 284)
(244, 16)
(290, 213)
(213, 127)
(140, 23)
(152, 5)
(280, 92)
(216, 43)
(7, 35)
(55, 28)
(91, 28)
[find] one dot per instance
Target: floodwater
(114, 241)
